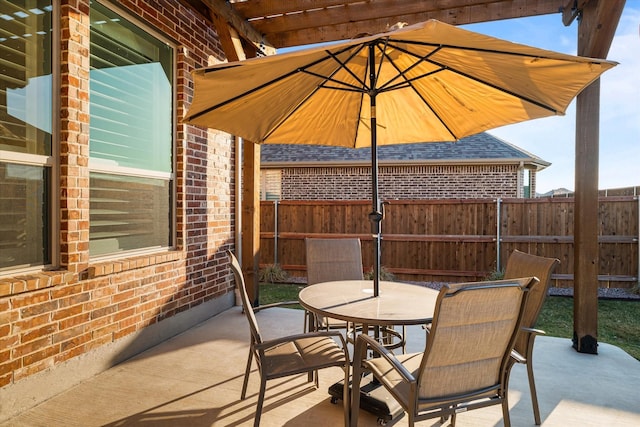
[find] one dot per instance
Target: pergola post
(586, 259)
(251, 218)
(598, 22)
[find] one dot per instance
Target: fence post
(498, 237)
(275, 232)
(638, 241)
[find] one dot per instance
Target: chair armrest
(518, 357)
(389, 356)
(277, 341)
(533, 331)
(275, 304)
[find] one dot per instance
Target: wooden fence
(457, 240)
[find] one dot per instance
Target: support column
(598, 22)
(586, 259)
(251, 218)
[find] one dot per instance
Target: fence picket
(457, 240)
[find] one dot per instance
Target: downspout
(238, 206)
(498, 236)
(275, 232)
(520, 181)
(238, 193)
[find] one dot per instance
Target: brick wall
(401, 182)
(50, 317)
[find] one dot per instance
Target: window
(131, 136)
(25, 133)
(270, 184)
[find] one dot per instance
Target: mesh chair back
(521, 264)
(247, 308)
(333, 259)
(471, 337)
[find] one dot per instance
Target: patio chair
(521, 264)
(329, 260)
(340, 259)
(464, 363)
(289, 355)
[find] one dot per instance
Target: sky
(553, 138)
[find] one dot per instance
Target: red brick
(31, 322)
(70, 334)
(37, 309)
(35, 334)
(32, 369)
(30, 347)
(73, 321)
(40, 355)
(64, 313)
(65, 291)
(29, 299)
(6, 379)
(8, 342)
(76, 342)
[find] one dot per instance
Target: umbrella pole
(376, 215)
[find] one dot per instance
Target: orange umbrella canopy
(429, 82)
(422, 83)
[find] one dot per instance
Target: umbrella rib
(498, 88)
(383, 55)
(343, 65)
(347, 87)
(407, 82)
(270, 82)
(388, 86)
(475, 49)
(446, 67)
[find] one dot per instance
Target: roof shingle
(482, 146)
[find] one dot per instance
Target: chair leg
(505, 412)
(355, 394)
(346, 398)
(246, 375)
(263, 387)
(532, 389)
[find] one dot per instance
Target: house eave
(530, 163)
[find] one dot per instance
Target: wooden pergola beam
(301, 22)
(598, 22)
(572, 10)
(225, 11)
(227, 24)
(229, 39)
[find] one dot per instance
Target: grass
(618, 321)
(270, 293)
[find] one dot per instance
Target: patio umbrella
(426, 82)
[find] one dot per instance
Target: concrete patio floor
(194, 379)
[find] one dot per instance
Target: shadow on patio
(194, 379)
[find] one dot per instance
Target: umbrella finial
(397, 26)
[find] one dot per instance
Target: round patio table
(353, 302)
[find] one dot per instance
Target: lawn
(618, 321)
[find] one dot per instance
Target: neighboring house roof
(480, 148)
(556, 192)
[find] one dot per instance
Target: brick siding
(401, 182)
(49, 317)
